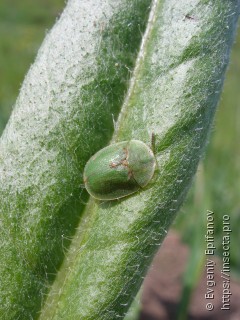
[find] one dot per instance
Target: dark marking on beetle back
(123, 162)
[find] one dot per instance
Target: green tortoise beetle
(119, 170)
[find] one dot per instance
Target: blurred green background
(23, 25)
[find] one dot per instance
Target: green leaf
(65, 113)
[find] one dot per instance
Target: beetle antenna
(153, 142)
